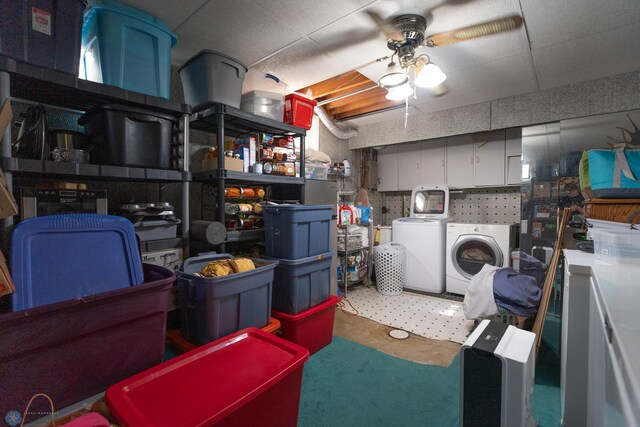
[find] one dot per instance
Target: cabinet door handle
(471, 160)
(477, 159)
(442, 162)
(607, 328)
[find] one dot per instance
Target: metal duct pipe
(333, 128)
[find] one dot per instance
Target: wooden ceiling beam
(357, 105)
(349, 80)
(368, 109)
(368, 95)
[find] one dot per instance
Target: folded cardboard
(6, 114)
(6, 283)
(8, 205)
(229, 164)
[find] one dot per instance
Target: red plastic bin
(312, 328)
(248, 378)
(298, 110)
(74, 349)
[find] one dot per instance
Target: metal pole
(185, 184)
(221, 178)
(302, 168)
(5, 93)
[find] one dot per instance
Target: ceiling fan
(407, 33)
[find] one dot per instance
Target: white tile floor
(427, 316)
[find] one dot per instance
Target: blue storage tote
(296, 231)
(124, 47)
(62, 257)
(45, 33)
(302, 283)
(217, 306)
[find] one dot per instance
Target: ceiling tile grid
(616, 51)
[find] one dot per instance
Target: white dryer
(471, 246)
(423, 235)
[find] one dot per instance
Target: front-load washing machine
(471, 246)
(423, 235)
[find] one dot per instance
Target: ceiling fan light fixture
(400, 92)
(394, 76)
(430, 76)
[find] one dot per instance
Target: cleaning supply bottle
(347, 167)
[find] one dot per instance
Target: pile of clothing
(518, 293)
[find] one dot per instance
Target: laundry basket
(390, 260)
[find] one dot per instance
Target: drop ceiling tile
(502, 72)
(302, 64)
(307, 16)
(483, 94)
(550, 22)
(166, 10)
(242, 29)
(598, 55)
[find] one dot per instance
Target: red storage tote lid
(205, 385)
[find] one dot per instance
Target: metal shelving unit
(222, 120)
(22, 81)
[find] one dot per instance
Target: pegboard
(475, 205)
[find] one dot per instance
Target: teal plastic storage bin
(296, 231)
(213, 307)
(301, 283)
(125, 47)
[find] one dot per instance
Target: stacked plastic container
(218, 306)
(249, 378)
(124, 47)
(87, 313)
(298, 237)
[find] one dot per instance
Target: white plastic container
(257, 80)
(266, 104)
(616, 246)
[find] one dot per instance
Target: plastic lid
(211, 52)
(206, 385)
(116, 7)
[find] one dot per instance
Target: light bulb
(393, 76)
(431, 75)
(399, 93)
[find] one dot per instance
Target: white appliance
(471, 246)
(423, 236)
(497, 367)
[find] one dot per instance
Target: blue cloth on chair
(518, 293)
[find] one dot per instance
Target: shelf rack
(221, 119)
(22, 81)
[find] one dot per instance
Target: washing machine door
(471, 252)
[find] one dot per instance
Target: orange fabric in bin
(179, 343)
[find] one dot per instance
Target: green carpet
(348, 384)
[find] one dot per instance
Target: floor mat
(423, 315)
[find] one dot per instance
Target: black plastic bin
(300, 284)
(218, 306)
(125, 136)
(46, 33)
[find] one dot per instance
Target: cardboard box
(6, 114)
(250, 143)
(6, 283)
(170, 258)
(8, 205)
(229, 164)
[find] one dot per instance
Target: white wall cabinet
(388, 168)
(460, 161)
(488, 159)
(513, 151)
(433, 161)
(409, 166)
(489, 151)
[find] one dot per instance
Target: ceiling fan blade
(386, 28)
(474, 31)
